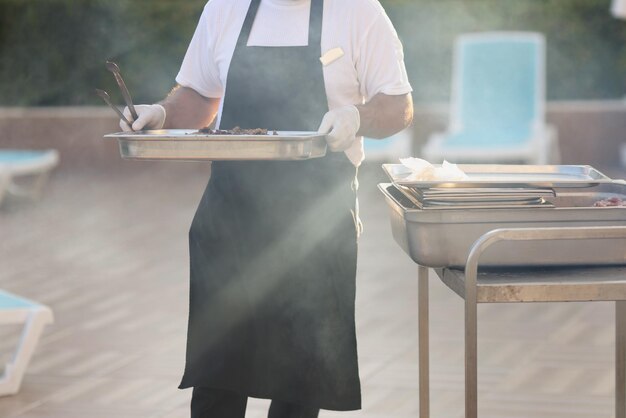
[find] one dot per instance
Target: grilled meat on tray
(236, 131)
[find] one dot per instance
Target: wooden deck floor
(108, 253)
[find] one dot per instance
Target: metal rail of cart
(571, 283)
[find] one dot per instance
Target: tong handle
(115, 69)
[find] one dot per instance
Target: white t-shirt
(373, 62)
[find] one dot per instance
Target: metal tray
(473, 202)
(444, 238)
(483, 193)
(187, 145)
(436, 205)
(509, 176)
(504, 199)
(496, 195)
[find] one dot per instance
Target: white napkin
(422, 170)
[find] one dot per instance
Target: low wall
(590, 132)
(76, 132)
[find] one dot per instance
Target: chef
(273, 244)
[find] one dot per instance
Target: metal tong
(115, 69)
(107, 99)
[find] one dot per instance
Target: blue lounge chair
(34, 316)
(498, 102)
(25, 163)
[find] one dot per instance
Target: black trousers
(214, 403)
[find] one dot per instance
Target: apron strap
(247, 24)
(315, 23)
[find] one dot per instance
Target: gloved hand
(149, 117)
(341, 125)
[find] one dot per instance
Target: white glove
(341, 125)
(149, 117)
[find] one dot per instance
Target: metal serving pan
(483, 193)
(472, 202)
(188, 145)
(505, 175)
(444, 238)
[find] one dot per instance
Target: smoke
(52, 52)
(586, 58)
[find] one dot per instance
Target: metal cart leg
(424, 384)
(620, 359)
(471, 346)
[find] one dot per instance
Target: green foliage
(586, 58)
(52, 52)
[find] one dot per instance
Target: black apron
(273, 245)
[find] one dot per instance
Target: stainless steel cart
(570, 251)
(530, 284)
